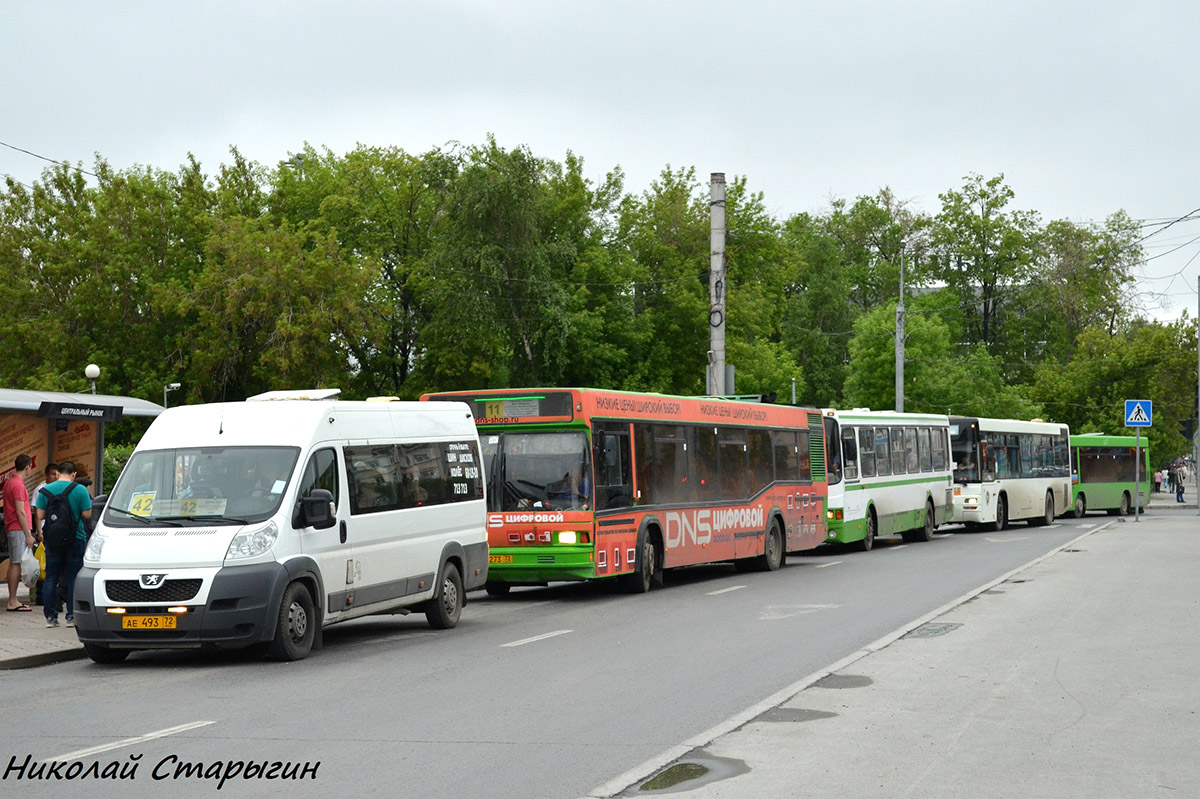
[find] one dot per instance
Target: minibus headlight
(94, 547)
(252, 543)
(567, 537)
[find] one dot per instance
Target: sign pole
(1137, 478)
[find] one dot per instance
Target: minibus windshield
(202, 485)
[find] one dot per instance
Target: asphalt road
(543, 693)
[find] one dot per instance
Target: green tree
(935, 379)
(1144, 360)
(983, 251)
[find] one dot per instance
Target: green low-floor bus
(1102, 474)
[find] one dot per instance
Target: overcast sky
(1086, 107)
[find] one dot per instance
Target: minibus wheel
(446, 606)
(296, 626)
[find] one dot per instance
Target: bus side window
(849, 453)
(866, 448)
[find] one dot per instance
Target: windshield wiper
(215, 517)
(147, 520)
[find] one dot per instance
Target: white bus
(255, 522)
(889, 474)
(1008, 470)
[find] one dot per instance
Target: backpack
(60, 526)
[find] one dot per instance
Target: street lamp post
(168, 387)
(91, 372)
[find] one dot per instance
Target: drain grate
(933, 629)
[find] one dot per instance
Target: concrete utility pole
(1196, 430)
(900, 341)
(716, 286)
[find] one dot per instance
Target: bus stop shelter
(52, 426)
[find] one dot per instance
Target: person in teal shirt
(64, 563)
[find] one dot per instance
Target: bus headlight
(568, 537)
(252, 543)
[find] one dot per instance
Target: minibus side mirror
(316, 510)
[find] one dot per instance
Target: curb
(42, 659)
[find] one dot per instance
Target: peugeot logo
(151, 580)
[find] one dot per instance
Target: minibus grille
(170, 591)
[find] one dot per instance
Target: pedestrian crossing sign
(1139, 413)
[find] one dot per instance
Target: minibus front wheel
(296, 626)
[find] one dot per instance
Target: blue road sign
(1139, 413)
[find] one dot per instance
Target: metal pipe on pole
(900, 341)
(716, 286)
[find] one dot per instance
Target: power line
(50, 160)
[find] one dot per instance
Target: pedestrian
(64, 551)
(1171, 478)
(49, 475)
(1179, 489)
(1158, 481)
(19, 528)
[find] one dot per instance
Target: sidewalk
(26, 641)
(1071, 677)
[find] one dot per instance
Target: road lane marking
(725, 590)
(944, 535)
(830, 563)
(541, 637)
(777, 612)
(1005, 540)
(901, 546)
(1085, 526)
(79, 754)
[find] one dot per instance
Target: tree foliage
(386, 272)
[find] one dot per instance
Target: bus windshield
(964, 447)
(210, 485)
(543, 470)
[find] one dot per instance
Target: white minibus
(264, 521)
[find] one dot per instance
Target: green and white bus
(889, 474)
(1102, 473)
(1008, 470)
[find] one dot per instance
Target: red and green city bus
(589, 484)
(1103, 469)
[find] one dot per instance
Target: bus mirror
(610, 451)
(316, 509)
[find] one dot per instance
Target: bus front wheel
(1001, 514)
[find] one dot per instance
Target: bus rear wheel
(925, 531)
(496, 589)
(872, 527)
(1125, 505)
(772, 557)
(1080, 506)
